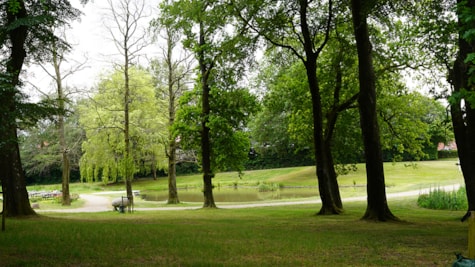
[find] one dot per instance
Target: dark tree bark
(326, 175)
(11, 171)
(377, 207)
(205, 135)
(463, 114)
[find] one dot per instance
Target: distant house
(449, 146)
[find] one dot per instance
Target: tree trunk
(12, 175)
(377, 207)
(172, 189)
(205, 136)
(331, 201)
(128, 155)
(66, 198)
(463, 114)
(11, 172)
(327, 184)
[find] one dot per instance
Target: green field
(267, 236)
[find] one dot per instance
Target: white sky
(91, 43)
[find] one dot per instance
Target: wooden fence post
(471, 235)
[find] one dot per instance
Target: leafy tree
(447, 36)
(215, 113)
(130, 41)
(377, 208)
(172, 77)
(273, 143)
(25, 34)
(41, 152)
(102, 117)
(462, 99)
(305, 29)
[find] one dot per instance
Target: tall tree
(462, 100)
(304, 28)
(218, 103)
(126, 17)
(59, 75)
(25, 34)
(377, 207)
(172, 77)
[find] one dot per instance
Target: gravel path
(99, 203)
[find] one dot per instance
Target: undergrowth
(439, 199)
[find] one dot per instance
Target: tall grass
(440, 199)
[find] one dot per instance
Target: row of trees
(314, 58)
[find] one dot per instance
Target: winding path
(99, 203)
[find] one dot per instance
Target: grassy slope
(399, 177)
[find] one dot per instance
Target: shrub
(440, 199)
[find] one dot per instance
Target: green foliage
(439, 199)
(103, 118)
(467, 22)
(221, 54)
(40, 149)
(231, 111)
(41, 20)
(410, 123)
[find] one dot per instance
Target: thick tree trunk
(377, 207)
(463, 115)
(206, 153)
(205, 130)
(11, 172)
(12, 175)
(327, 184)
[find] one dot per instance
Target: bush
(439, 199)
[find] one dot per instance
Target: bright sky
(92, 43)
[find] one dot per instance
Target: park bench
(120, 204)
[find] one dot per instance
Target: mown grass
(271, 236)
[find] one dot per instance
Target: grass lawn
(271, 236)
(268, 236)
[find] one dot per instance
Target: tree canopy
(102, 118)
